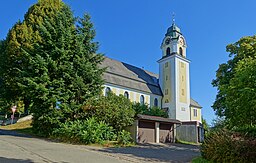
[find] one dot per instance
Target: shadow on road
(157, 152)
(12, 160)
(13, 133)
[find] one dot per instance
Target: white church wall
(134, 95)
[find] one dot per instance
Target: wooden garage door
(165, 133)
(146, 132)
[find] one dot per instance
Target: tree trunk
(26, 106)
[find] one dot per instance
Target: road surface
(19, 148)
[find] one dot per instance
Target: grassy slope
(23, 127)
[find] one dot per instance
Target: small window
(166, 64)
(168, 51)
(195, 112)
(155, 102)
(166, 101)
(107, 90)
(182, 78)
(142, 100)
(166, 92)
(182, 92)
(126, 94)
(181, 51)
(183, 109)
(182, 65)
(166, 77)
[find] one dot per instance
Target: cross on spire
(173, 18)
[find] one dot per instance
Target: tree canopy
(49, 60)
(235, 81)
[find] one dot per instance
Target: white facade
(134, 95)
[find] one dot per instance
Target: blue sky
(132, 31)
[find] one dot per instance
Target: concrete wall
(187, 133)
(133, 130)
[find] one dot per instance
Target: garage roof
(158, 119)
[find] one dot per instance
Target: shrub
(225, 146)
(114, 110)
(146, 110)
(87, 131)
(124, 137)
(248, 131)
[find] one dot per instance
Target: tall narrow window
(107, 90)
(155, 102)
(181, 51)
(168, 51)
(195, 112)
(142, 100)
(126, 94)
(166, 64)
(182, 65)
(166, 92)
(166, 77)
(182, 92)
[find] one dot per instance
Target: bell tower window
(181, 51)
(168, 51)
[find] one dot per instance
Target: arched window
(107, 90)
(155, 102)
(181, 51)
(126, 94)
(141, 99)
(168, 51)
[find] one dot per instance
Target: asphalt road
(19, 148)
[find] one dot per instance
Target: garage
(153, 129)
(166, 133)
(146, 131)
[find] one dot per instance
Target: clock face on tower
(167, 41)
(182, 41)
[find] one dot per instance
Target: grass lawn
(23, 127)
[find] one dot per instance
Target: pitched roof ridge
(147, 71)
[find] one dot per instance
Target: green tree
(117, 111)
(53, 62)
(234, 100)
(205, 125)
(146, 110)
(241, 94)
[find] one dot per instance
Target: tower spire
(173, 18)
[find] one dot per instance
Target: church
(169, 90)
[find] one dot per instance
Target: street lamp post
(13, 111)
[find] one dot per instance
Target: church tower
(174, 75)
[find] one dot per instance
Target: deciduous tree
(235, 83)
